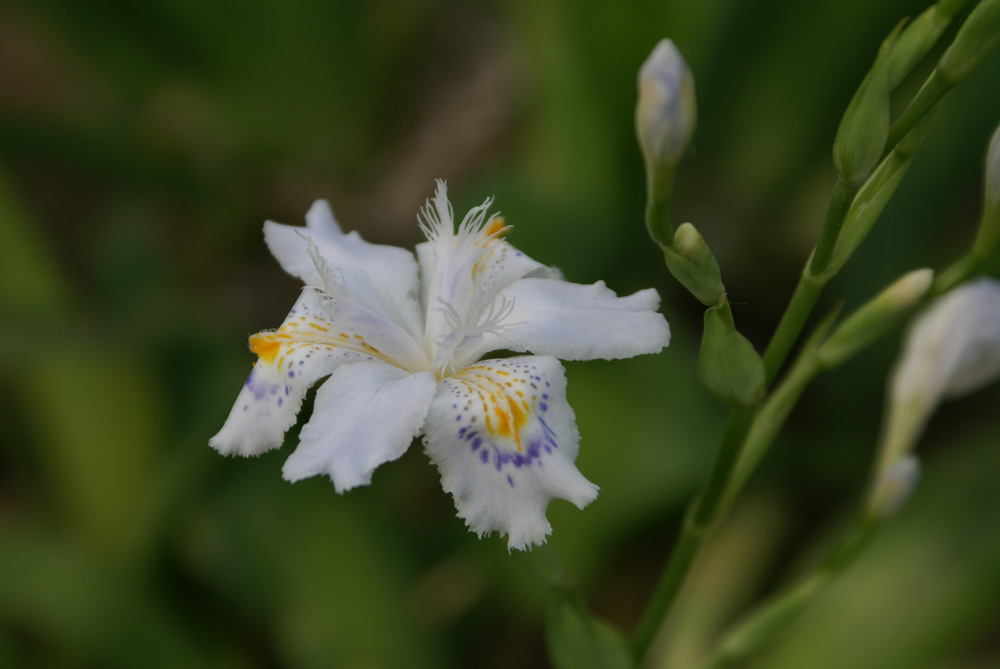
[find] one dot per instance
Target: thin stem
(794, 319)
(770, 618)
(958, 272)
(929, 94)
(836, 212)
(701, 515)
(658, 220)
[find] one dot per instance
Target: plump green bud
(728, 365)
(979, 35)
(691, 262)
(874, 318)
(665, 115)
(864, 127)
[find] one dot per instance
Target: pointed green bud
(728, 365)
(665, 115)
(864, 127)
(691, 262)
(979, 35)
(875, 317)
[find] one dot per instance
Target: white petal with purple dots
(289, 361)
(504, 438)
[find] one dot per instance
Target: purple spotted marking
(543, 406)
(279, 400)
(244, 407)
(291, 374)
(461, 431)
(510, 481)
(484, 455)
(476, 443)
(259, 390)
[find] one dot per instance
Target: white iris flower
(401, 339)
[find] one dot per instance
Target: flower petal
(504, 439)
(290, 360)
(577, 322)
(382, 277)
(366, 414)
(462, 271)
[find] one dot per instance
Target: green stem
(794, 319)
(769, 420)
(836, 212)
(811, 282)
(770, 618)
(958, 272)
(929, 94)
(658, 221)
(702, 513)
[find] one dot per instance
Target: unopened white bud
(666, 113)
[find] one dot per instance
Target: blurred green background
(143, 144)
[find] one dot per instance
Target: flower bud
(917, 39)
(875, 317)
(665, 115)
(864, 128)
(952, 349)
(691, 262)
(978, 36)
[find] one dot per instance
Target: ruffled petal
(366, 414)
(504, 439)
(382, 277)
(577, 322)
(290, 360)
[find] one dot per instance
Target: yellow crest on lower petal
(265, 345)
(505, 407)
